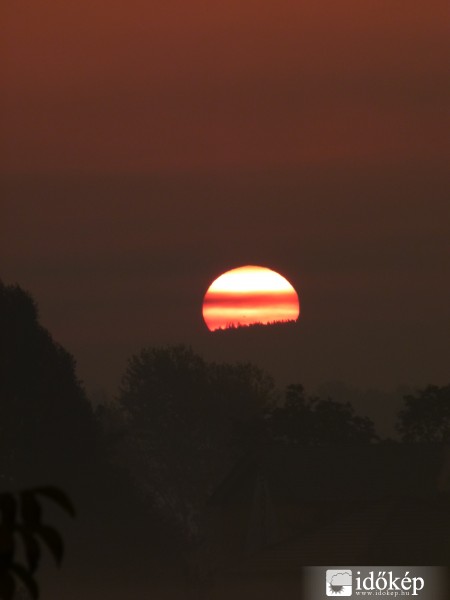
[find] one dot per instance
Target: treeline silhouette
(153, 473)
(280, 325)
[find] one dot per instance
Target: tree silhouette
(426, 415)
(313, 421)
(47, 429)
(179, 412)
(47, 433)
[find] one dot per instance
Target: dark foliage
(426, 415)
(21, 521)
(179, 412)
(46, 423)
(314, 421)
(48, 433)
(178, 427)
(274, 325)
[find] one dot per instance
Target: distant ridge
(279, 349)
(257, 326)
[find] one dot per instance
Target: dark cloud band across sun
(249, 295)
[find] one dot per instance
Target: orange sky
(134, 86)
(146, 148)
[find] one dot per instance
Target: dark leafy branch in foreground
(21, 520)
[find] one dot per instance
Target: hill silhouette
(269, 346)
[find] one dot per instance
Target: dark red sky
(145, 148)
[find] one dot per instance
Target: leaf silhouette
(32, 549)
(8, 509)
(26, 579)
(7, 585)
(57, 496)
(30, 509)
(6, 545)
(53, 541)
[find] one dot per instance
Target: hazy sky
(147, 147)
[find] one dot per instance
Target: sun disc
(247, 296)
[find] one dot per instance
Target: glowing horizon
(249, 295)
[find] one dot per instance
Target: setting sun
(249, 295)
